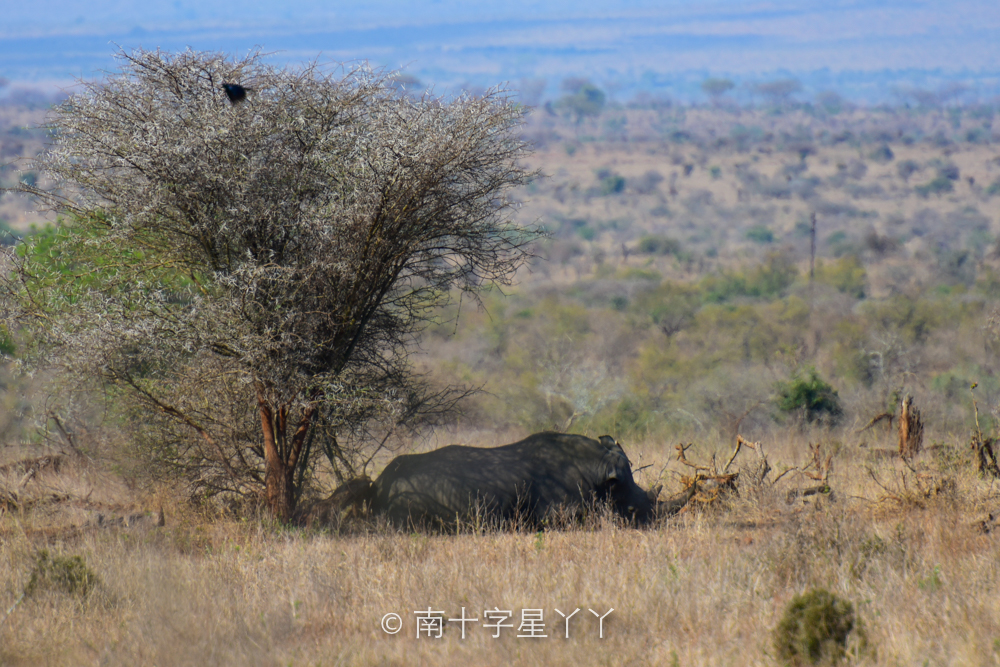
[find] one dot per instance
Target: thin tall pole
(812, 278)
(812, 249)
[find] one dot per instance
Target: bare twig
(13, 607)
(885, 416)
(740, 442)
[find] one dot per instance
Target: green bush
(659, 245)
(814, 628)
(633, 273)
(69, 574)
(914, 319)
(882, 154)
(810, 395)
(768, 279)
(947, 170)
(939, 186)
(612, 185)
(631, 417)
(846, 274)
(760, 234)
(586, 100)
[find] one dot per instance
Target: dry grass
(706, 588)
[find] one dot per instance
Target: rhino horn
(665, 508)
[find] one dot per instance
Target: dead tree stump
(911, 429)
(985, 455)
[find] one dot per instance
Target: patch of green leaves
(68, 574)
(810, 395)
(814, 628)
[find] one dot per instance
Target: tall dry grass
(706, 587)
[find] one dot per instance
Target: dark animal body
(522, 483)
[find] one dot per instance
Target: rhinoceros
(524, 482)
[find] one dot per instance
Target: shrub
(631, 417)
(882, 154)
(846, 274)
(760, 234)
(814, 628)
(809, 394)
(947, 170)
(940, 185)
(768, 279)
(69, 574)
(913, 319)
(612, 185)
(659, 245)
(672, 307)
(585, 99)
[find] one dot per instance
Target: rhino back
(530, 476)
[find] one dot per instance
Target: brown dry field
(912, 548)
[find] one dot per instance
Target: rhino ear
(614, 465)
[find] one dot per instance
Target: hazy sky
(446, 42)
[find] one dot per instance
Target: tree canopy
(241, 275)
(583, 98)
(716, 88)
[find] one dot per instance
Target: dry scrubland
(707, 587)
(669, 304)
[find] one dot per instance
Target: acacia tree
(716, 88)
(269, 260)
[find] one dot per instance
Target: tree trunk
(281, 456)
(986, 457)
(911, 429)
(277, 474)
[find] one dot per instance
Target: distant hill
(864, 49)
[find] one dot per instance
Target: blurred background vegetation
(682, 291)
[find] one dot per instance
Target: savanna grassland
(671, 303)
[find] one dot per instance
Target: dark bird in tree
(313, 301)
(235, 92)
